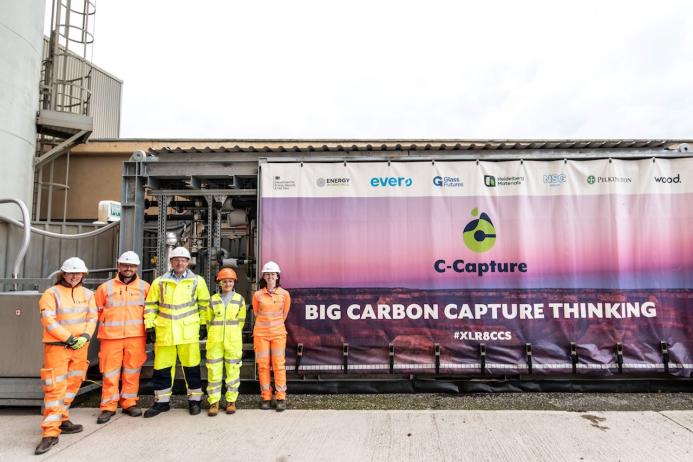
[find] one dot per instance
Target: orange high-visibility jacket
(66, 312)
(271, 309)
(121, 308)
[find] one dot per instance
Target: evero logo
(591, 179)
(391, 181)
(479, 235)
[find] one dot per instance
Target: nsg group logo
(479, 235)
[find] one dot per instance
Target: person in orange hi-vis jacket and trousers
(271, 306)
(68, 317)
(122, 338)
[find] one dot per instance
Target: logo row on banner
(471, 178)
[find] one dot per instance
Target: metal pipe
(43, 232)
(27, 233)
(99, 270)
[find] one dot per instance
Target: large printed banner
(582, 266)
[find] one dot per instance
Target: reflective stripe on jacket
(176, 308)
(67, 311)
(121, 308)
(225, 322)
(271, 309)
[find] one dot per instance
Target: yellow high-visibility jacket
(177, 308)
(225, 323)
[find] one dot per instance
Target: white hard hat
(271, 267)
(74, 265)
(179, 252)
(129, 258)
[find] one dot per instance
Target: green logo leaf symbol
(591, 179)
(479, 235)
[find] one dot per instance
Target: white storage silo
(21, 35)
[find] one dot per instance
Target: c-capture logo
(391, 181)
(479, 235)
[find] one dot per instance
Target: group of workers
(174, 313)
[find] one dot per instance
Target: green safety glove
(78, 343)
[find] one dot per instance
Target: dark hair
(263, 283)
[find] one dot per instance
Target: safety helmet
(129, 258)
(179, 252)
(74, 265)
(271, 267)
(226, 273)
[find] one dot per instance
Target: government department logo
(479, 235)
(322, 182)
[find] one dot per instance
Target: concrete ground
(590, 430)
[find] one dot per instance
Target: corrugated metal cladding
(106, 95)
(46, 254)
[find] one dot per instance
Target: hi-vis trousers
(129, 355)
(272, 348)
(63, 371)
(165, 368)
(217, 358)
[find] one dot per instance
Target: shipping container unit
(442, 265)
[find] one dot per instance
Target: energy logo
(479, 235)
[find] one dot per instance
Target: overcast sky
(400, 69)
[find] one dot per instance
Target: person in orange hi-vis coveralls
(68, 317)
(122, 338)
(271, 306)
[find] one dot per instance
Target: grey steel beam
(61, 148)
(200, 167)
(203, 192)
(132, 209)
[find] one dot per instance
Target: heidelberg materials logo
(479, 235)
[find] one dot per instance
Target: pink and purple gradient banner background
(604, 241)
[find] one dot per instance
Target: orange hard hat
(226, 273)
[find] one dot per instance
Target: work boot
(156, 409)
(194, 407)
(266, 405)
(133, 411)
(213, 409)
(231, 408)
(68, 427)
(104, 417)
(281, 405)
(46, 443)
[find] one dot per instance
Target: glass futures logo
(479, 235)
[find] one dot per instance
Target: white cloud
(369, 69)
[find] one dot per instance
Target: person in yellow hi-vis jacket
(175, 318)
(226, 316)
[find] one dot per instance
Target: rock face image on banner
(560, 267)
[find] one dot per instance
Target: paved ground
(379, 435)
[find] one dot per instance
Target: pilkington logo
(591, 179)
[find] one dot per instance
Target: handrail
(43, 232)
(27, 233)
